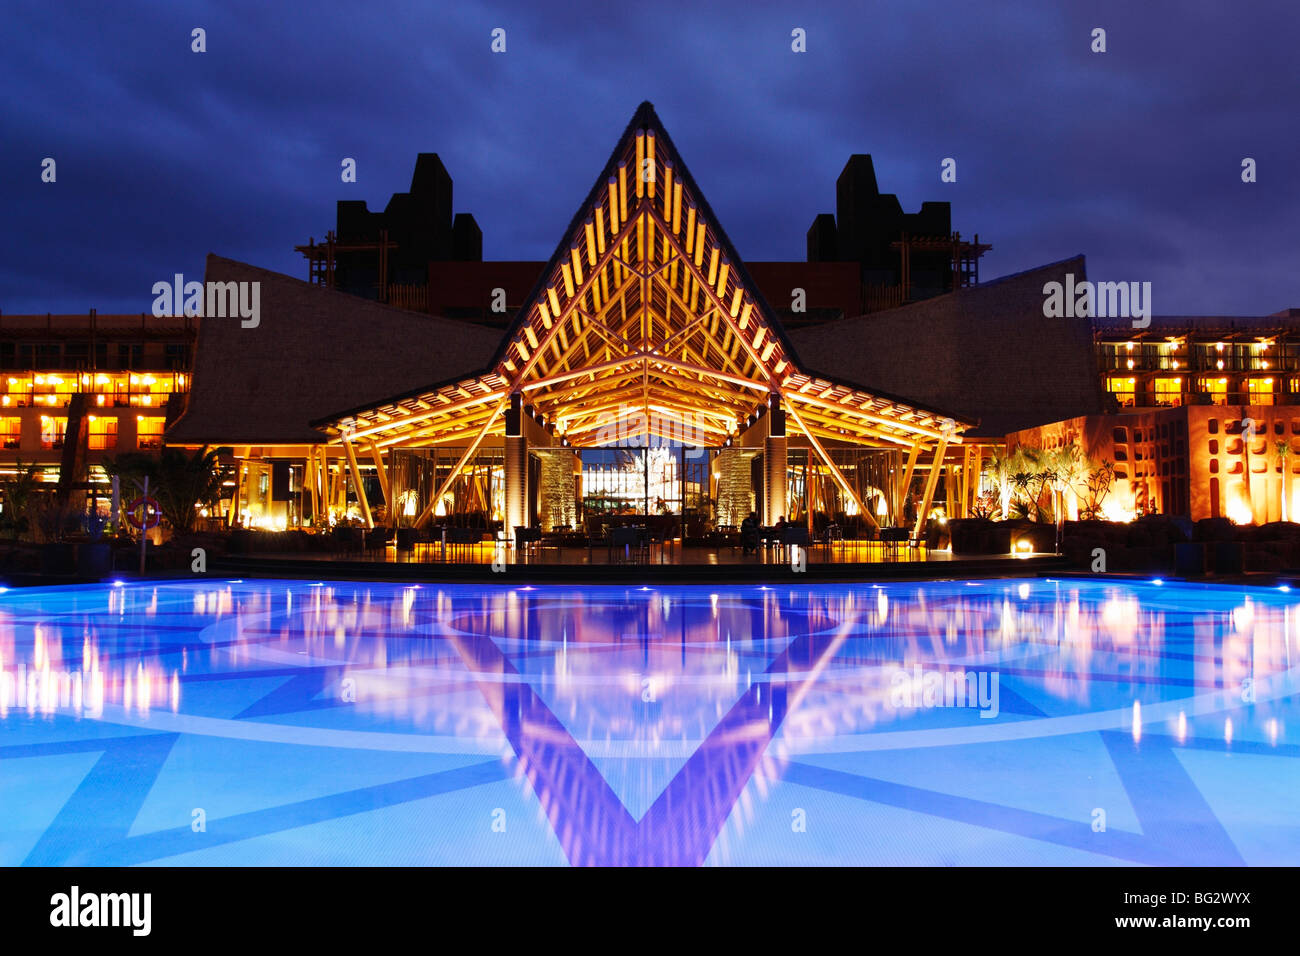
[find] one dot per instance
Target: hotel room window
(149, 431)
(103, 433)
(1260, 391)
(11, 432)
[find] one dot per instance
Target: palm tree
(17, 492)
(1282, 448)
(999, 467)
(1029, 478)
(1064, 466)
(1247, 436)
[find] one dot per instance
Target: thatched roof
(314, 350)
(984, 353)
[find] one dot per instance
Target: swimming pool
(1015, 722)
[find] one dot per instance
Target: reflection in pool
(991, 722)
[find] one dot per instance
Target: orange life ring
(150, 517)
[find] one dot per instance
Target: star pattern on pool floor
(540, 790)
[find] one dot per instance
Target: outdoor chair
(894, 539)
(376, 539)
(461, 542)
(632, 544)
(527, 540)
(348, 540)
(795, 536)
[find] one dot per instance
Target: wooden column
(971, 478)
(356, 483)
(384, 486)
(905, 482)
(930, 481)
(233, 514)
(455, 471)
(309, 478)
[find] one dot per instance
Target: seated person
(749, 534)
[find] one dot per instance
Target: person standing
(749, 534)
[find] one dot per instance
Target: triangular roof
(645, 308)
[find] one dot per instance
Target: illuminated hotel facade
(77, 388)
(646, 369)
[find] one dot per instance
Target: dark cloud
(1131, 157)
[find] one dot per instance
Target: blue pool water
(952, 723)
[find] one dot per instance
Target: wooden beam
(309, 476)
(455, 471)
(327, 484)
(424, 415)
(905, 482)
(232, 515)
(930, 481)
(441, 429)
(869, 416)
(356, 483)
(712, 295)
(569, 306)
(378, 458)
(826, 460)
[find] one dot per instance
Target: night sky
(1131, 157)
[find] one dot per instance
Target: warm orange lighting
(1239, 512)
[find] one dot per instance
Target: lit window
(103, 433)
(149, 431)
(11, 432)
(1261, 391)
(52, 430)
(1169, 391)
